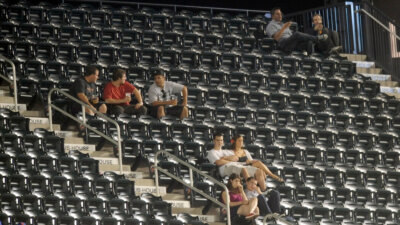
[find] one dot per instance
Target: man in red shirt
(117, 95)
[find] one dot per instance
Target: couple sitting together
(236, 162)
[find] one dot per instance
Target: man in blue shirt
(287, 40)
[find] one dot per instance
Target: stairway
(108, 162)
(369, 69)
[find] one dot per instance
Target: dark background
(287, 6)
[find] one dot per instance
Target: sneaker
(322, 37)
(336, 50)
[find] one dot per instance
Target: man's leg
(245, 174)
(260, 177)
(131, 110)
(304, 37)
(116, 109)
(160, 112)
(184, 113)
(274, 201)
(89, 111)
(263, 205)
(103, 108)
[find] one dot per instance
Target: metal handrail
(172, 5)
(83, 122)
(378, 22)
(191, 168)
(14, 81)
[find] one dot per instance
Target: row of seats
(140, 218)
(40, 183)
(119, 38)
(128, 18)
(258, 134)
(343, 214)
(340, 195)
(325, 130)
(118, 35)
(173, 57)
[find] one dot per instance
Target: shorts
(237, 168)
(173, 111)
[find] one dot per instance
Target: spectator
(328, 46)
(239, 204)
(117, 95)
(246, 159)
(226, 160)
(163, 98)
(85, 90)
(288, 41)
(272, 205)
(229, 164)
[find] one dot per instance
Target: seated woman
(245, 157)
(239, 205)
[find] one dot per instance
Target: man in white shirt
(163, 97)
(287, 40)
(228, 163)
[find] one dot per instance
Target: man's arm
(226, 159)
(138, 96)
(279, 34)
(84, 99)
(170, 102)
(116, 101)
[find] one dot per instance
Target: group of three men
(117, 94)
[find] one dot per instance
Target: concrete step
(11, 106)
(365, 64)
(147, 186)
(86, 148)
(353, 57)
(385, 89)
(378, 77)
(7, 99)
(369, 70)
(74, 140)
(396, 95)
(38, 120)
(65, 134)
(104, 157)
(212, 216)
(126, 170)
(389, 83)
(56, 127)
(177, 200)
(32, 113)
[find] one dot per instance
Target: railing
(13, 82)
(191, 185)
(175, 7)
(381, 39)
(370, 32)
(83, 121)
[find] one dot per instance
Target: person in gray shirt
(287, 40)
(163, 97)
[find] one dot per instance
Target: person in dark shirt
(331, 44)
(85, 90)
